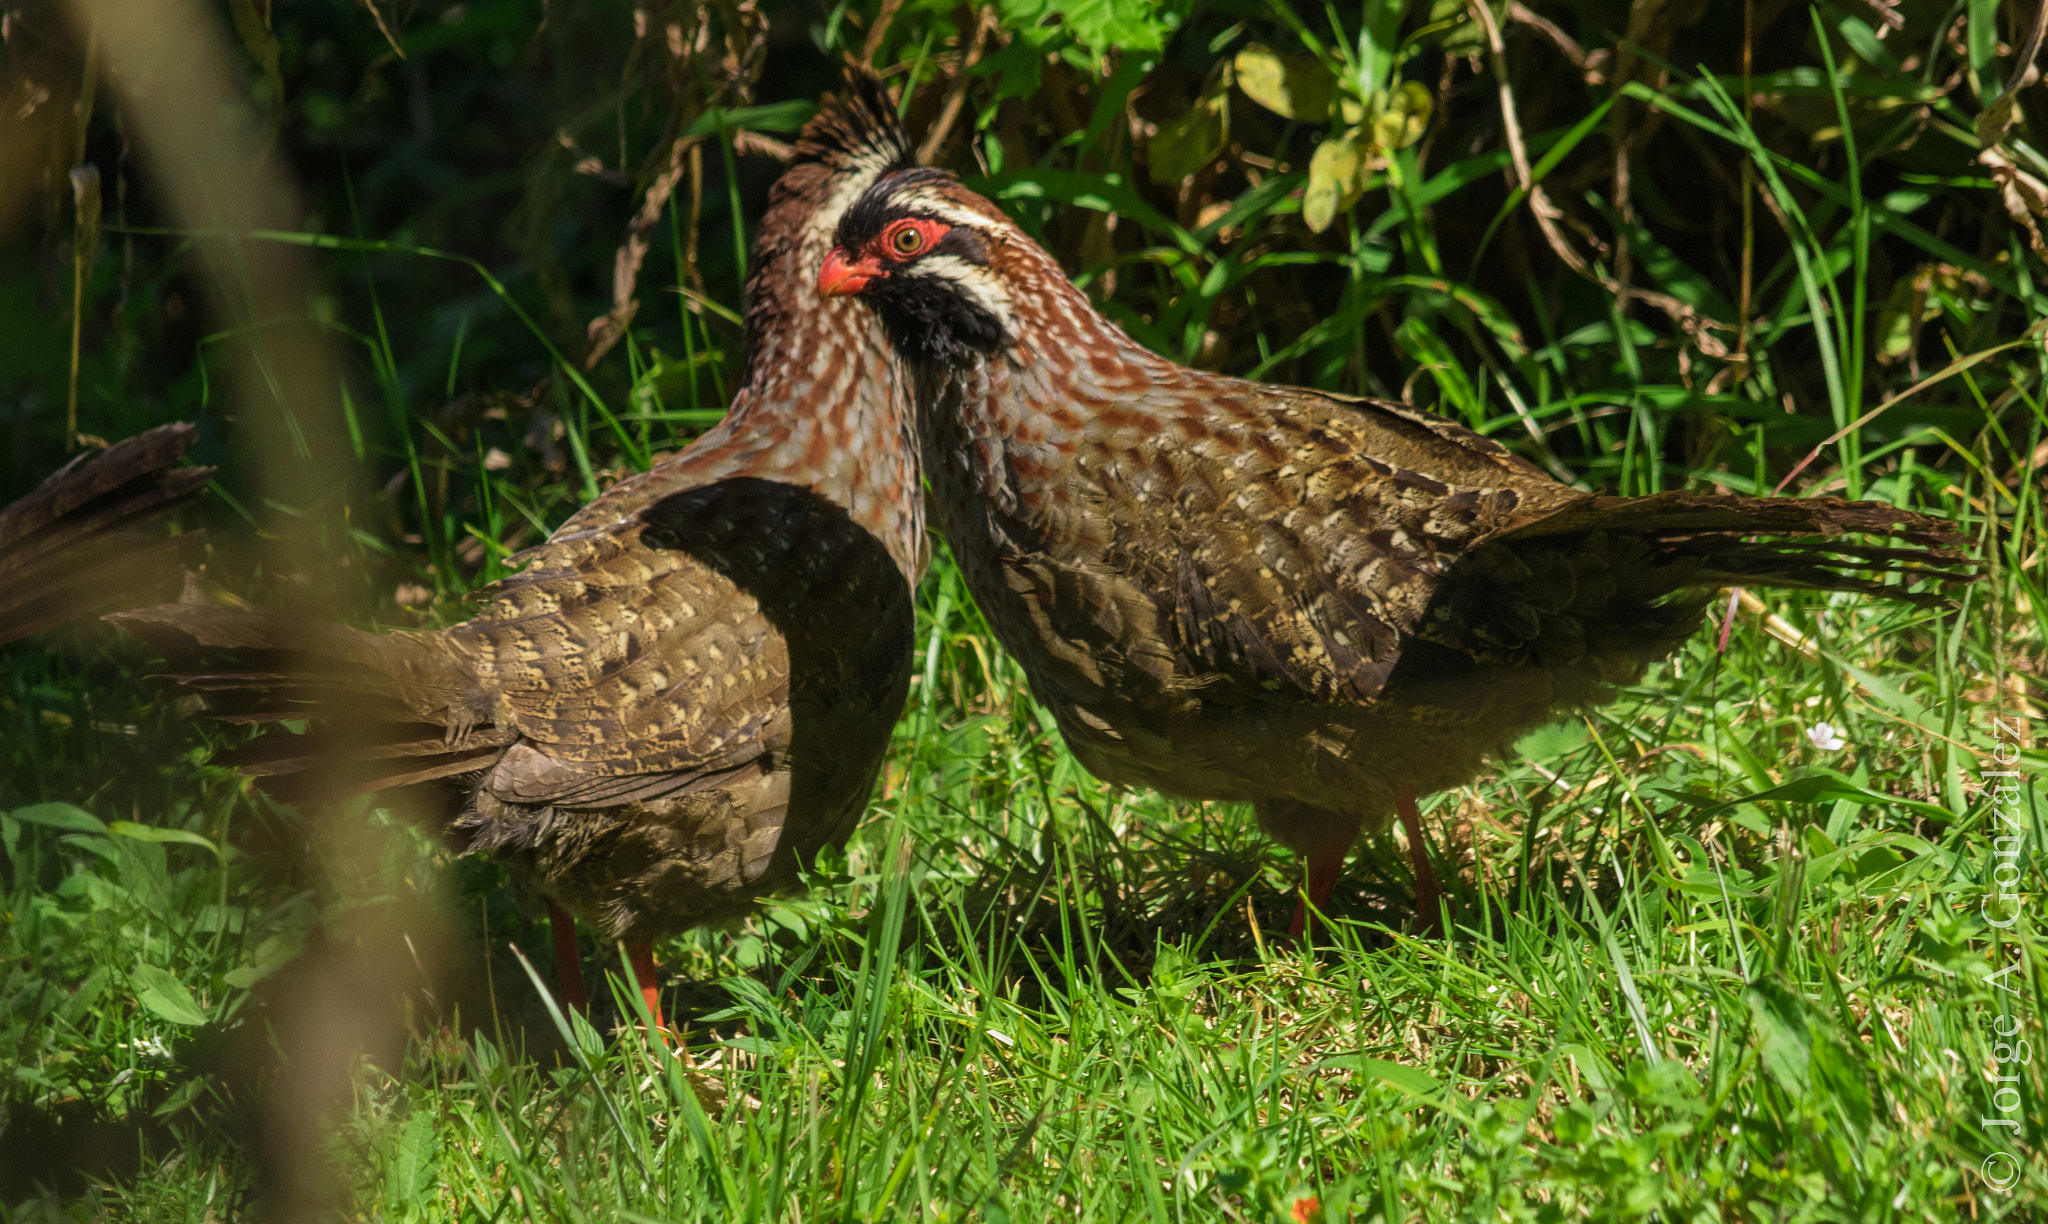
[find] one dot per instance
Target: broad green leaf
(412, 1173)
(1818, 843)
(1333, 178)
(1016, 71)
(1575, 1125)
(1296, 86)
(1547, 743)
(1181, 148)
(96, 890)
(1873, 863)
(1404, 117)
(774, 117)
(151, 833)
(1129, 25)
(59, 816)
(166, 996)
(1981, 36)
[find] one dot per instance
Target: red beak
(838, 278)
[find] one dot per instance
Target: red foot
(1428, 893)
(568, 965)
(1324, 866)
(641, 956)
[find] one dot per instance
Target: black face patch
(929, 316)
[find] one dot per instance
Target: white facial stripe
(974, 281)
(851, 186)
(934, 205)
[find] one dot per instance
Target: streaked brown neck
(822, 401)
(1021, 415)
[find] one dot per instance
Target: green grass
(1027, 996)
(1701, 965)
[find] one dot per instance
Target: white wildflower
(1825, 736)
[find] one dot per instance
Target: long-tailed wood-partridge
(1323, 605)
(689, 688)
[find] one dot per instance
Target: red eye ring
(910, 237)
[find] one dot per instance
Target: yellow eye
(908, 241)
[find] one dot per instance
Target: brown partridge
(1325, 606)
(688, 690)
(74, 544)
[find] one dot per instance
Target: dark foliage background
(1662, 307)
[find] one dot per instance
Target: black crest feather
(855, 127)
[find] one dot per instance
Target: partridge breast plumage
(689, 687)
(1320, 604)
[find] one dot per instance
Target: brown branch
(746, 49)
(1698, 328)
(696, 214)
(873, 44)
(1588, 65)
(1546, 213)
(2025, 64)
(758, 145)
(956, 93)
(606, 330)
(397, 48)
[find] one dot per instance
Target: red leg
(640, 954)
(568, 965)
(1428, 894)
(1324, 866)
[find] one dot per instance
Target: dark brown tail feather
(1716, 531)
(384, 710)
(75, 544)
